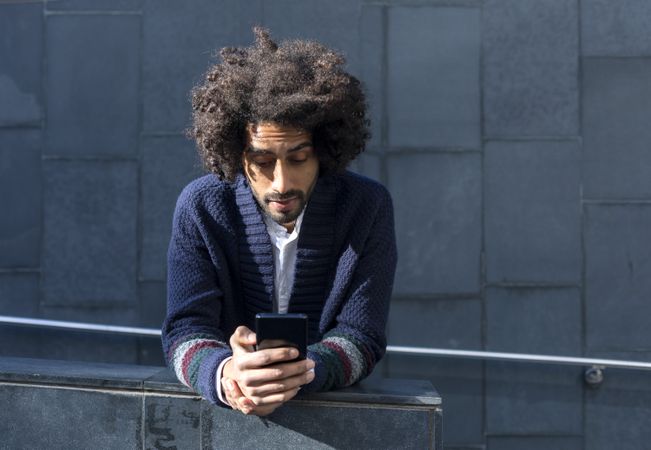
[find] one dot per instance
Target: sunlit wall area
(513, 135)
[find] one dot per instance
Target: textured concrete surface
(513, 135)
(116, 406)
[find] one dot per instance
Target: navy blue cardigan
(221, 273)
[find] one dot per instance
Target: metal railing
(593, 374)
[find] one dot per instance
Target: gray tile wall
(513, 135)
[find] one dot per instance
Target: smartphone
(282, 330)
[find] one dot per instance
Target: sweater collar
(314, 262)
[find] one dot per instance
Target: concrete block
(530, 67)
(615, 28)
(437, 202)
(629, 355)
(436, 323)
(150, 352)
(616, 132)
(89, 254)
(460, 383)
(103, 315)
(168, 164)
(617, 414)
(532, 197)
(525, 398)
(67, 345)
(370, 165)
(178, 44)
(371, 58)
(153, 303)
(93, 77)
(172, 422)
(94, 5)
(534, 443)
(19, 294)
(306, 19)
(296, 426)
(433, 76)
(69, 419)
(21, 33)
(534, 320)
(20, 189)
(617, 282)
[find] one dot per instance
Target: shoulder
(205, 191)
(359, 189)
(207, 200)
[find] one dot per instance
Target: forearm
(195, 359)
(349, 351)
(342, 360)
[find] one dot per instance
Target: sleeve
(349, 351)
(193, 344)
(218, 381)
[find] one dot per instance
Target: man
(278, 225)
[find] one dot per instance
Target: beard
(283, 217)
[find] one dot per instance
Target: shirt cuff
(218, 381)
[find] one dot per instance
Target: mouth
(284, 204)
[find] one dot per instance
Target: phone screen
(282, 330)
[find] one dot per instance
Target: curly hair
(297, 83)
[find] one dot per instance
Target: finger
(264, 410)
(280, 386)
(254, 389)
(280, 397)
(243, 339)
(266, 357)
(256, 377)
(245, 405)
(232, 394)
(237, 400)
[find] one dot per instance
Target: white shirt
(284, 250)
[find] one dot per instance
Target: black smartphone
(282, 330)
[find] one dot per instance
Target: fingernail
(230, 385)
(293, 353)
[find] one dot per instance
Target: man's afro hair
(297, 83)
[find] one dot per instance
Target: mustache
(286, 196)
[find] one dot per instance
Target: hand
(258, 388)
(238, 401)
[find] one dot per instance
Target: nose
(281, 182)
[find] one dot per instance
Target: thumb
(243, 338)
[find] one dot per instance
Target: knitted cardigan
(221, 273)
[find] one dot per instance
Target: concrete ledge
(72, 405)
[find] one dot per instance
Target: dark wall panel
(92, 85)
(432, 82)
(89, 250)
(513, 136)
(530, 67)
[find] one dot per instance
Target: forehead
(269, 134)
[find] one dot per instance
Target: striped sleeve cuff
(344, 361)
(189, 357)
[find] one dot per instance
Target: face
(282, 168)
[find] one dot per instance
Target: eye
(262, 162)
(300, 157)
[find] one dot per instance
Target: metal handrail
(521, 357)
(423, 351)
(79, 326)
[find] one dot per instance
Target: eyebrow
(262, 151)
